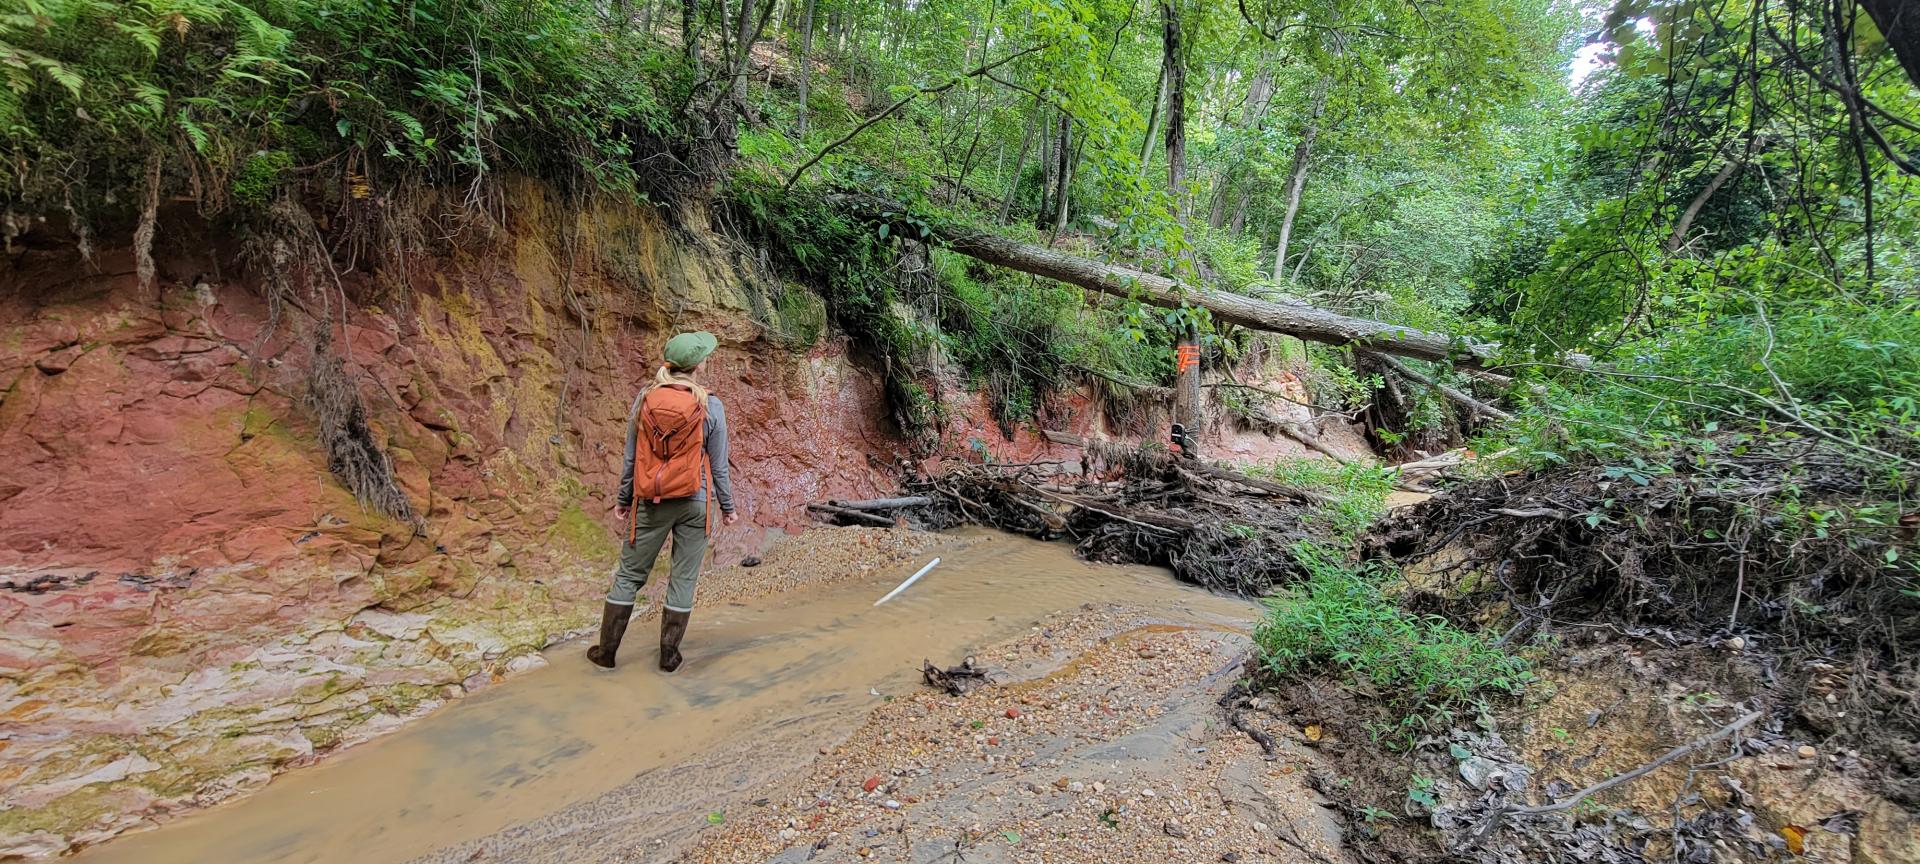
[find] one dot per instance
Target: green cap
(686, 350)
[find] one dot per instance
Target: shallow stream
(547, 765)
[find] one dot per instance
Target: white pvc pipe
(910, 580)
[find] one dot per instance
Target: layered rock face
(190, 600)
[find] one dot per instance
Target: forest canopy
(1710, 199)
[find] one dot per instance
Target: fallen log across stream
(1299, 320)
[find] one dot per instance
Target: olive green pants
(686, 520)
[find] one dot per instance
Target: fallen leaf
(1312, 731)
(1013, 837)
(716, 817)
(1796, 838)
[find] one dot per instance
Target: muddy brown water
(568, 750)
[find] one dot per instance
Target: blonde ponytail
(665, 377)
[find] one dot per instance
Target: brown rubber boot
(673, 625)
(613, 628)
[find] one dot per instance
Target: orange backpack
(671, 458)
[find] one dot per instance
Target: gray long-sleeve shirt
(716, 435)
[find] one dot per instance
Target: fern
(193, 131)
(416, 132)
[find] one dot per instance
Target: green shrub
(1426, 669)
(1359, 492)
(1802, 369)
(447, 89)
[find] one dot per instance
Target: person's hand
(730, 517)
(620, 510)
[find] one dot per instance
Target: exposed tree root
(1779, 550)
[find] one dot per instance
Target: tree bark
(690, 34)
(1046, 181)
(806, 64)
(1300, 320)
(1020, 163)
(1187, 410)
(1226, 196)
(1458, 397)
(1216, 472)
(1899, 23)
(1175, 60)
(1153, 119)
(1685, 222)
(1297, 177)
(1063, 173)
(750, 24)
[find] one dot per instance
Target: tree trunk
(1217, 213)
(1020, 164)
(690, 34)
(1252, 116)
(1899, 24)
(1679, 236)
(1293, 319)
(1153, 120)
(1046, 181)
(1175, 60)
(1064, 173)
(966, 162)
(1297, 177)
(806, 64)
(749, 25)
(1458, 397)
(1187, 408)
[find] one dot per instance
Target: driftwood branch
(872, 504)
(852, 515)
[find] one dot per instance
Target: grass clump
(1425, 669)
(1359, 492)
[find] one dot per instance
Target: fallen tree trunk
(1299, 320)
(1297, 433)
(831, 511)
(1294, 319)
(883, 503)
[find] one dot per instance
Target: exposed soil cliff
(192, 600)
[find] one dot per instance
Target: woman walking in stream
(676, 451)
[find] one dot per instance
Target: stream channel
(567, 762)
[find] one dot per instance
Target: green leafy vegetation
(1338, 621)
(1358, 492)
(184, 95)
(1731, 228)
